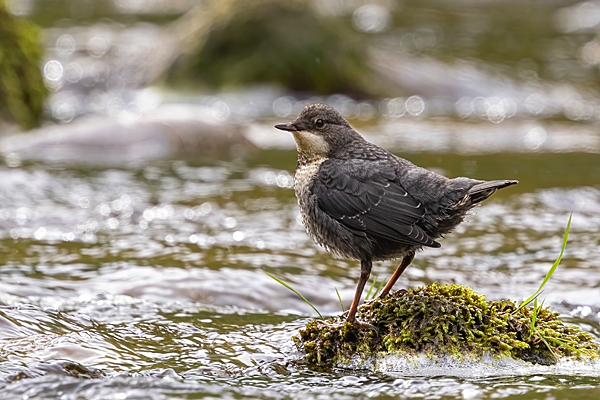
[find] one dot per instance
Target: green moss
(451, 319)
(238, 42)
(22, 89)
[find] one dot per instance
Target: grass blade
(371, 289)
(548, 346)
(534, 314)
(379, 289)
(340, 299)
(564, 344)
(552, 269)
(295, 291)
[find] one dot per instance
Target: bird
(360, 201)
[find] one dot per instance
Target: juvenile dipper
(360, 201)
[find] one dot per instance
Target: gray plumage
(360, 201)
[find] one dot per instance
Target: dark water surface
(148, 281)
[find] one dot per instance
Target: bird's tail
(482, 191)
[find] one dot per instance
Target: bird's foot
(332, 325)
(364, 326)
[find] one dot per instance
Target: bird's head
(320, 132)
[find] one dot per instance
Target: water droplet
(371, 18)
(148, 215)
(65, 45)
(270, 178)
(415, 105)
(205, 208)
(238, 236)
(464, 107)
(495, 113)
(68, 237)
(115, 107)
(189, 213)
(366, 111)
(97, 46)
(397, 107)
(63, 111)
(39, 233)
(73, 72)
(229, 222)
(282, 107)
(535, 103)
(53, 70)
(535, 138)
(585, 311)
(104, 209)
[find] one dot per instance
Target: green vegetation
(296, 292)
(236, 42)
(534, 297)
(22, 89)
(377, 290)
(450, 319)
(288, 286)
(552, 269)
(340, 300)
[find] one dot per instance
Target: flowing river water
(148, 280)
(130, 269)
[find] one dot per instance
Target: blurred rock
(22, 90)
(233, 43)
(169, 131)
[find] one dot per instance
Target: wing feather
(370, 202)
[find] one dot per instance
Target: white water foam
(488, 366)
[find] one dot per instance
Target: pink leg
(405, 263)
(365, 272)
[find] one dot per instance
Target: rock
(170, 131)
(232, 43)
(438, 322)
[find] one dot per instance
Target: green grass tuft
(368, 296)
(340, 300)
(552, 269)
(295, 291)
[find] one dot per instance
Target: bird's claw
(365, 326)
(333, 325)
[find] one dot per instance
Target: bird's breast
(303, 177)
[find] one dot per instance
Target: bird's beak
(290, 127)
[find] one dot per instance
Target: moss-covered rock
(22, 89)
(238, 42)
(446, 320)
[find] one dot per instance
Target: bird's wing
(368, 201)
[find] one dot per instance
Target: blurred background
(144, 191)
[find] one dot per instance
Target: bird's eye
(319, 123)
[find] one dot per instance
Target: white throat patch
(311, 146)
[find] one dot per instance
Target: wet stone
(61, 368)
(438, 321)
